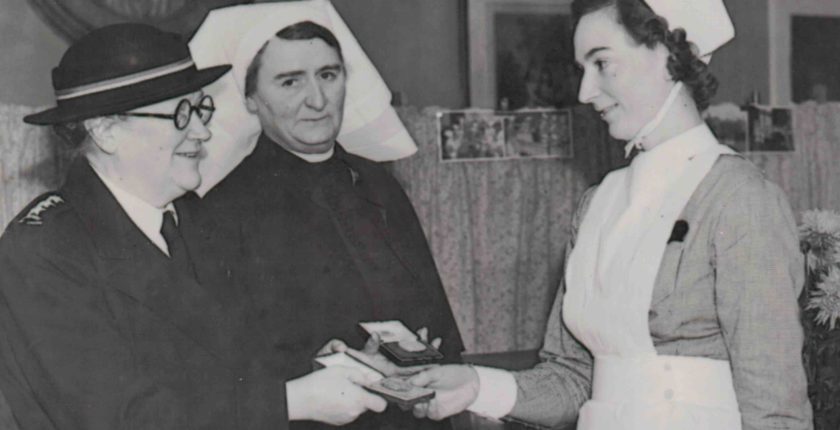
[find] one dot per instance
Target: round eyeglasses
(183, 112)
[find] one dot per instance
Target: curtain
(32, 161)
(810, 175)
(73, 19)
(498, 229)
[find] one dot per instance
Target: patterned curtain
(75, 18)
(32, 161)
(811, 174)
(498, 228)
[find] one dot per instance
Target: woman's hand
(456, 388)
(332, 395)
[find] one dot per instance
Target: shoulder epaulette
(38, 207)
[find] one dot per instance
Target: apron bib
(609, 283)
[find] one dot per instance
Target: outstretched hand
(332, 395)
(456, 388)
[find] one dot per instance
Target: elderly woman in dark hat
(104, 323)
(679, 304)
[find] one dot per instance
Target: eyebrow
(289, 74)
(293, 73)
(331, 67)
(594, 51)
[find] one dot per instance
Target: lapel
(668, 277)
(131, 264)
(368, 190)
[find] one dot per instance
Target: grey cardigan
(727, 291)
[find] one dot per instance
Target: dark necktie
(175, 242)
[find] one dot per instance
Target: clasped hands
(335, 394)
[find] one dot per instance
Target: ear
(251, 103)
(103, 133)
(662, 55)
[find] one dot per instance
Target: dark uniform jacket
(100, 331)
(321, 247)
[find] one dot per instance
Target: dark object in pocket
(679, 231)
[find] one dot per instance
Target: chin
(620, 133)
(189, 183)
(318, 144)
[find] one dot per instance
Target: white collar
(315, 158)
(654, 170)
(146, 217)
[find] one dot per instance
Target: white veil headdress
(233, 35)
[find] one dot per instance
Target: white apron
(609, 283)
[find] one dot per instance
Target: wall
(742, 66)
(418, 45)
(29, 50)
(415, 44)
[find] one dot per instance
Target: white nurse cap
(706, 22)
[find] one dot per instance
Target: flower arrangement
(819, 236)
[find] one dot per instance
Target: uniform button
(240, 379)
(669, 394)
(667, 367)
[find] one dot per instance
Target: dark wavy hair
(304, 30)
(648, 28)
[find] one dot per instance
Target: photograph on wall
(540, 133)
(770, 129)
(521, 54)
(728, 122)
(470, 135)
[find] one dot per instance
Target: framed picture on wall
(465, 135)
(770, 129)
(483, 134)
(728, 122)
(804, 44)
(520, 54)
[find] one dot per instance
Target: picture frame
(487, 135)
(781, 15)
(729, 123)
(520, 54)
(770, 129)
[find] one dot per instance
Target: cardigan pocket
(666, 279)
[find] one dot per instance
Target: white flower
(820, 235)
(826, 298)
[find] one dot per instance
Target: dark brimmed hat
(122, 67)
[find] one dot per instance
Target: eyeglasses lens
(205, 109)
(182, 114)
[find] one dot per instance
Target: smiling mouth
(605, 111)
(189, 154)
